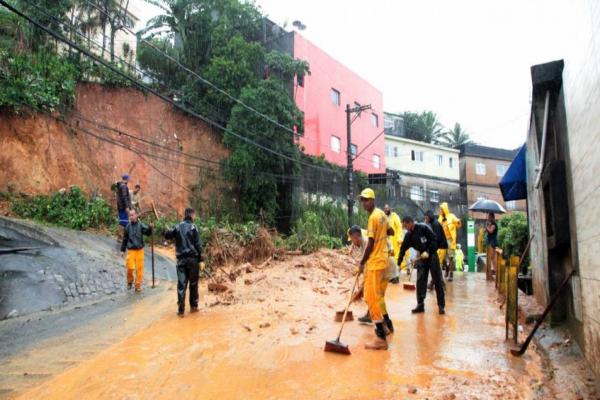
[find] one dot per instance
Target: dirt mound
(324, 273)
(225, 248)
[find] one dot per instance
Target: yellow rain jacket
(450, 223)
(396, 225)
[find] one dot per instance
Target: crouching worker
(133, 243)
(373, 263)
(421, 238)
(188, 250)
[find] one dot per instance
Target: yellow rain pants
(135, 260)
(374, 293)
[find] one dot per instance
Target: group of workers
(384, 248)
(188, 246)
(383, 251)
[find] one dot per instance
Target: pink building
(323, 96)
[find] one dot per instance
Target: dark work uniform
(189, 253)
(123, 202)
(423, 239)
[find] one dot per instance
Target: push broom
(409, 285)
(335, 346)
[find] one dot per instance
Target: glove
(361, 269)
(202, 266)
(424, 255)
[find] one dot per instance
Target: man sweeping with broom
(373, 263)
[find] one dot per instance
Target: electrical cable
(151, 90)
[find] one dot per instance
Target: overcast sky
(466, 60)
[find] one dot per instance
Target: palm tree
(431, 129)
(455, 137)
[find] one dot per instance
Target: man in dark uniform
(421, 238)
(189, 254)
(442, 242)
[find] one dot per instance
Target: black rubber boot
(380, 330)
(365, 319)
(388, 323)
(442, 310)
(395, 280)
(420, 308)
(451, 277)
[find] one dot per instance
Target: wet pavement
(274, 350)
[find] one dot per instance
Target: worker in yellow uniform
(396, 238)
(133, 244)
(359, 239)
(450, 223)
(373, 264)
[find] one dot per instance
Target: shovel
(335, 346)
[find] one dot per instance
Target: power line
(202, 79)
(151, 90)
(212, 85)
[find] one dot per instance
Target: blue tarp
(514, 182)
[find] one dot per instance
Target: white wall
(399, 158)
(581, 85)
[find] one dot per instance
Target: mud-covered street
(264, 339)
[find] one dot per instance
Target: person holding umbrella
(491, 227)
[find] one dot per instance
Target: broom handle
(348, 306)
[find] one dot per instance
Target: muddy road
(264, 339)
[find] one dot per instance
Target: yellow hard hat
(367, 194)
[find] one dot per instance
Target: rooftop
(476, 150)
(419, 143)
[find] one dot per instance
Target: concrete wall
(582, 99)
(399, 158)
(581, 94)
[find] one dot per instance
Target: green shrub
(308, 235)
(332, 217)
(513, 234)
(66, 208)
(41, 81)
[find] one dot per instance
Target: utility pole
(349, 166)
(350, 171)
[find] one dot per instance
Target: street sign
(471, 246)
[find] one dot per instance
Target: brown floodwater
(273, 349)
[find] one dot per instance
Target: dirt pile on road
(286, 279)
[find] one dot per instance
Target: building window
(434, 196)
(416, 155)
(480, 169)
(300, 80)
(374, 120)
(336, 97)
(511, 205)
(353, 150)
(440, 160)
(336, 144)
(451, 162)
(388, 150)
(501, 170)
(376, 161)
(396, 151)
(416, 193)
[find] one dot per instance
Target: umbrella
(487, 206)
